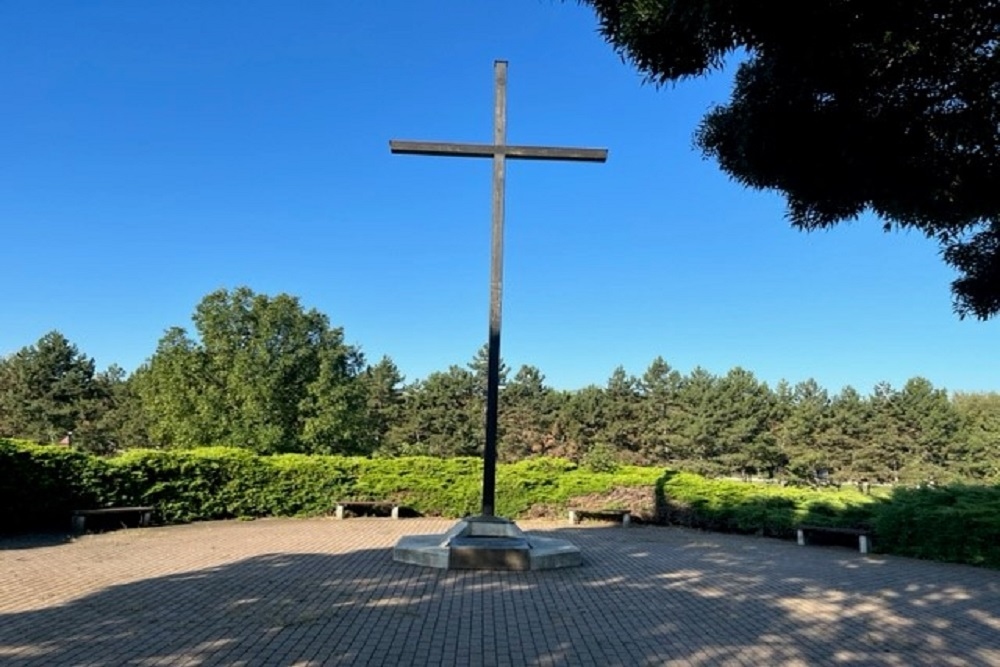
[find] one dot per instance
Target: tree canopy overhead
(848, 106)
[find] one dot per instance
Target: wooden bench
(864, 535)
(79, 517)
(625, 516)
(367, 506)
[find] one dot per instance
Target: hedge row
(40, 485)
(730, 506)
(958, 524)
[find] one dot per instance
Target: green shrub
(182, 485)
(731, 506)
(220, 483)
(600, 458)
(302, 485)
(958, 523)
(41, 484)
(224, 482)
(554, 483)
(438, 487)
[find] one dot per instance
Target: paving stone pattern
(309, 592)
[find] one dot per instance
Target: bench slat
(836, 529)
(111, 510)
(79, 517)
(371, 504)
(575, 514)
(863, 534)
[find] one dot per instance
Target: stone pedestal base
(486, 543)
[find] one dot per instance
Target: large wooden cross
(500, 152)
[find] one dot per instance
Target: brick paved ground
(324, 592)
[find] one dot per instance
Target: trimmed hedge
(41, 484)
(958, 524)
(730, 506)
(188, 485)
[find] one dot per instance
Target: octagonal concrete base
(486, 543)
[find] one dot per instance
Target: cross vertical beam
(500, 152)
(496, 291)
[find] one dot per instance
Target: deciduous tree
(847, 106)
(263, 373)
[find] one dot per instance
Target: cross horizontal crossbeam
(491, 150)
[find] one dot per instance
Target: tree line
(265, 374)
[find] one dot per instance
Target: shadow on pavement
(644, 596)
(34, 540)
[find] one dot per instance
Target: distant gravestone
(488, 542)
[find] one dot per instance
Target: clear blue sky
(153, 152)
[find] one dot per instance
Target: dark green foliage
(622, 401)
(440, 416)
(382, 386)
(731, 425)
(304, 485)
(846, 433)
(50, 389)
(846, 106)
(975, 453)
(269, 377)
(659, 412)
(185, 485)
(529, 417)
(803, 414)
(741, 412)
(600, 457)
(958, 523)
(584, 419)
(41, 485)
(955, 523)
